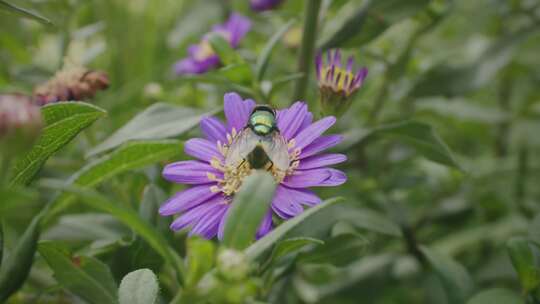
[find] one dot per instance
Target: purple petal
(337, 178)
(320, 144)
(192, 216)
(202, 149)
(303, 196)
(266, 225)
(285, 204)
(190, 172)
(222, 222)
(290, 120)
(192, 66)
(350, 63)
(237, 110)
(322, 160)
(187, 199)
(312, 132)
(214, 129)
(360, 76)
(207, 225)
(263, 5)
(237, 26)
(307, 178)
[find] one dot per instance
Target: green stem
(520, 187)
(4, 168)
(305, 56)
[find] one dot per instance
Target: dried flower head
(337, 83)
(73, 82)
(20, 122)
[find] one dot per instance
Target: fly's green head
(262, 120)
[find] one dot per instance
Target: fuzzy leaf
(263, 244)
(248, 208)
(158, 121)
(139, 287)
(63, 120)
(130, 156)
(86, 277)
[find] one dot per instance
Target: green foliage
(496, 296)
(157, 122)
(130, 156)
(139, 287)
(440, 205)
(265, 243)
(63, 122)
(249, 207)
(86, 277)
(16, 266)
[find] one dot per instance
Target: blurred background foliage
(418, 224)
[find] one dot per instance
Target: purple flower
(336, 82)
(203, 207)
(264, 5)
(202, 57)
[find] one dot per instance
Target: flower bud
(337, 84)
(232, 265)
(20, 123)
(71, 83)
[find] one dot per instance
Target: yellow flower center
(233, 176)
(341, 80)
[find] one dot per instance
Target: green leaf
(523, 260)
(200, 257)
(249, 207)
(360, 26)
(153, 197)
(339, 251)
(448, 80)
(454, 278)
(124, 215)
(14, 198)
(158, 121)
(139, 287)
(86, 277)
(264, 57)
(370, 220)
(263, 244)
(12, 8)
(130, 156)
(16, 266)
(496, 296)
(534, 230)
(64, 120)
(223, 49)
(420, 136)
(293, 244)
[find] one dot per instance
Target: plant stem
(520, 187)
(305, 56)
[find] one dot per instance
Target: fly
(259, 143)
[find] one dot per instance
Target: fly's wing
(277, 151)
(243, 143)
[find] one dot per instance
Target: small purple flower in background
(214, 181)
(337, 83)
(264, 5)
(202, 57)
